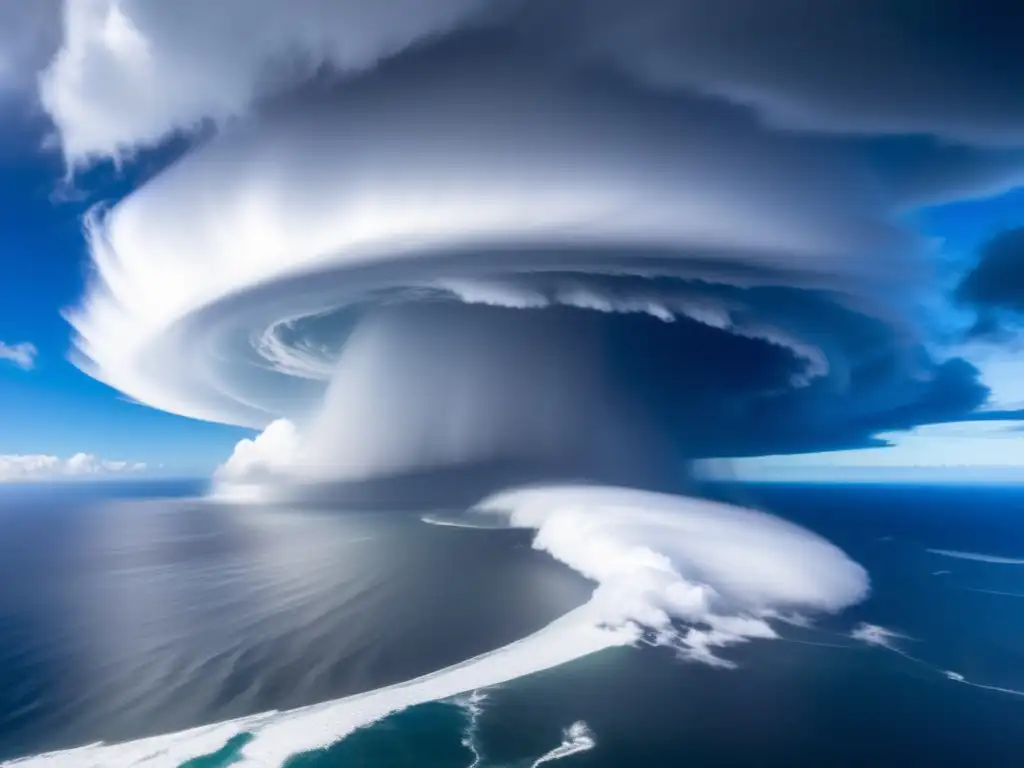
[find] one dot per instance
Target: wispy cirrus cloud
(22, 354)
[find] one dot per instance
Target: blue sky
(968, 452)
(54, 409)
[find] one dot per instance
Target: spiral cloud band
(451, 233)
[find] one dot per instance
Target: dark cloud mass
(29, 37)
(949, 392)
(451, 232)
(994, 287)
(950, 68)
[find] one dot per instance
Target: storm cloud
(994, 286)
(672, 229)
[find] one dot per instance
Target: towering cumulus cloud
(460, 233)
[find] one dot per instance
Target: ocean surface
(143, 625)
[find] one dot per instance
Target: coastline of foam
(277, 736)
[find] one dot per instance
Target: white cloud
(131, 72)
(22, 355)
(268, 455)
(33, 467)
(372, 187)
(494, 293)
(665, 306)
(588, 298)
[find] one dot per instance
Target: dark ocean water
(123, 618)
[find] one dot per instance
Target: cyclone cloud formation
(541, 269)
(435, 235)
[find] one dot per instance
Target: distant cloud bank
(17, 468)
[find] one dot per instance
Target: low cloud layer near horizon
(39, 467)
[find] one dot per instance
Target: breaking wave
(576, 738)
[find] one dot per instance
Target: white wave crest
(576, 738)
(978, 557)
(473, 706)
(883, 638)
